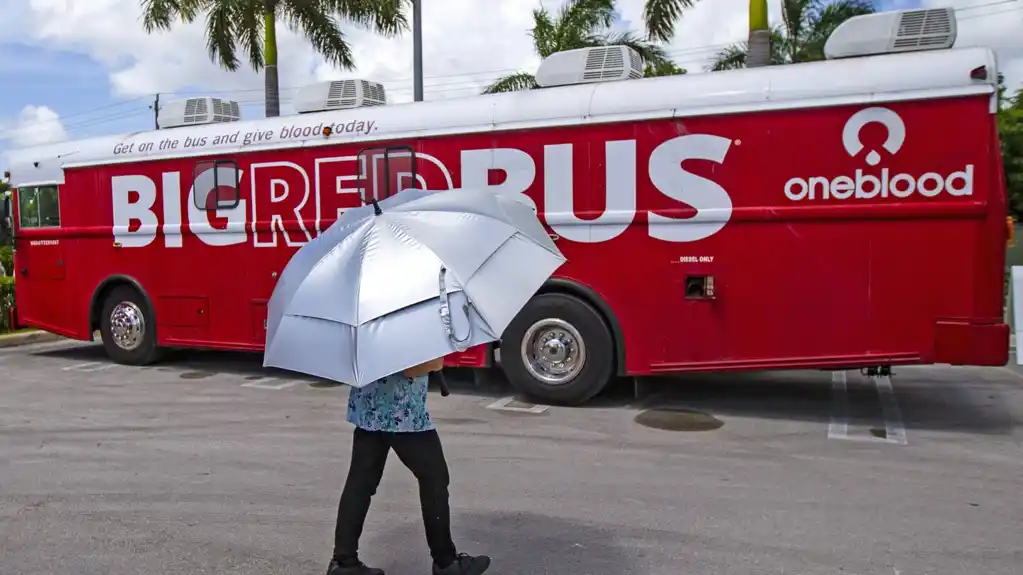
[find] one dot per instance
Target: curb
(27, 338)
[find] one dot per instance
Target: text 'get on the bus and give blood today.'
(246, 137)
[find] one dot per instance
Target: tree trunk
(272, 93)
(759, 52)
(759, 46)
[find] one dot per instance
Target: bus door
(39, 265)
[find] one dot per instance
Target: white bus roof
(885, 78)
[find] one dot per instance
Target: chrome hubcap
(553, 351)
(127, 325)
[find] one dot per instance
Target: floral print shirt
(394, 403)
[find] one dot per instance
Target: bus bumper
(964, 342)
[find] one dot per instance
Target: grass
(17, 331)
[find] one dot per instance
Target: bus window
(38, 207)
(215, 185)
(384, 172)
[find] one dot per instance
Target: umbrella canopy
(413, 278)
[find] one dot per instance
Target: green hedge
(6, 301)
(7, 259)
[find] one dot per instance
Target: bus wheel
(558, 349)
(128, 327)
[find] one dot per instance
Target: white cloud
(467, 44)
(34, 125)
(475, 39)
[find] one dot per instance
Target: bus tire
(558, 349)
(128, 327)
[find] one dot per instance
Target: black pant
(422, 453)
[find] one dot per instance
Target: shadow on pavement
(200, 364)
(969, 399)
(940, 398)
(517, 543)
(770, 395)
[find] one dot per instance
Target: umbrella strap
(445, 315)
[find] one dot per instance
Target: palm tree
(661, 16)
(808, 23)
(251, 25)
(760, 45)
(662, 68)
(582, 24)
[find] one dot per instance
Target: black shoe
(359, 568)
(464, 564)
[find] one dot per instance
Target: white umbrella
(374, 293)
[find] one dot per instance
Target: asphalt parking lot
(208, 464)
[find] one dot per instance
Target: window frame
(39, 212)
(216, 165)
(366, 156)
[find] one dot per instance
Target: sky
(71, 69)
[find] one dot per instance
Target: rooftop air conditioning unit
(893, 32)
(197, 111)
(588, 65)
(340, 95)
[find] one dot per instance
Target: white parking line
(90, 367)
(895, 430)
(839, 426)
(1012, 371)
(504, 404)
(264, 383)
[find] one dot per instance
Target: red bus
(848, 213)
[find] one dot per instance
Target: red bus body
(742, 228)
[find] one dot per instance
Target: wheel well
(103, 290)
(588, 295)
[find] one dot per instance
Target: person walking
(391, 413)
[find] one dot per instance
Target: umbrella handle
(442, 382)
(445, 315)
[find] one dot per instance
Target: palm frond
(384, 17)
(544, 33)
(650, 52)
(661, 16)
(782, 47)
(821, 22)
(321, 29)
(512, 83)
(250, 31)
(734, 57)
(578, 19)
(731, 58)
(794, 15)
(827, 16)
(221, 33)
(664, 68)
(160, 14)
(586, 15)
